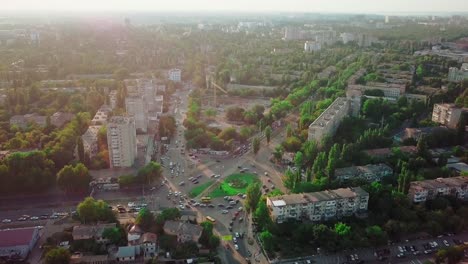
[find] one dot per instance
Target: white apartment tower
(136, 107)
(175, 75)
(311, 46)
(121, 141)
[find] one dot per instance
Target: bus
(206, 199)
(211, 219)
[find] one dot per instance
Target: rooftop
(120, 120)
(329, 113)
(440, 183)
(125, 252)
(302, 198)
(16, 237)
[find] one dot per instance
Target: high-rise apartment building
(318, 206)
(175, 75)
(121, 141)
(136, 107)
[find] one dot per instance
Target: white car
(224, 211)
(446, 243)
(234, 239)
(6, 221)
(237, 235)
(34, 218)
(236, 246)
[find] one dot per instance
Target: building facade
(311, 46)
(121, 141)
(318, 206)
(421, 191)
(370, 172)
(136, 107)
(175, 75)
(329, 120)
(458, 75)
(447, 114)
(90, 140)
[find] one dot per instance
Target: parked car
(6, 221)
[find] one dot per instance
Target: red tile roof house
(18, 243)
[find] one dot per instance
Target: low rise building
(22, 121)
(386, 152)
(82, 232)
(184, 231)
(127, 253)
(17, 243)
(370, 172)
(318, 206)
(59, 119)
(447, 114)
(329, 120)
(421, 191)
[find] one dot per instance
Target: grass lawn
(199, 189)
(234, 184)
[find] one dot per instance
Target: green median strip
(199, 189)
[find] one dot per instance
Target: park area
(234, 184)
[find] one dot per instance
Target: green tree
(268, 132)
(256, 145)
(150, 172)
(376, 235)
(310, 150)
(121, 74)
(423, 150)
(81, 152)
(74, 178)
(145, 219)
(290, 179)
(461, 129)
(262, 215)
(342, 229)
(278, 153)
(268, 240)
(58, 256)
(168, 214)
(91, 211)
(289, 131)
(113, 234)
(299, 160)
(253, 193)
(333, 157)
(420, 71)
(319, 165)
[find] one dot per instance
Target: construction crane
(215, 88)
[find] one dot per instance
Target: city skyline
(334, 6)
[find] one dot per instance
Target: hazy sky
(342, 6)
